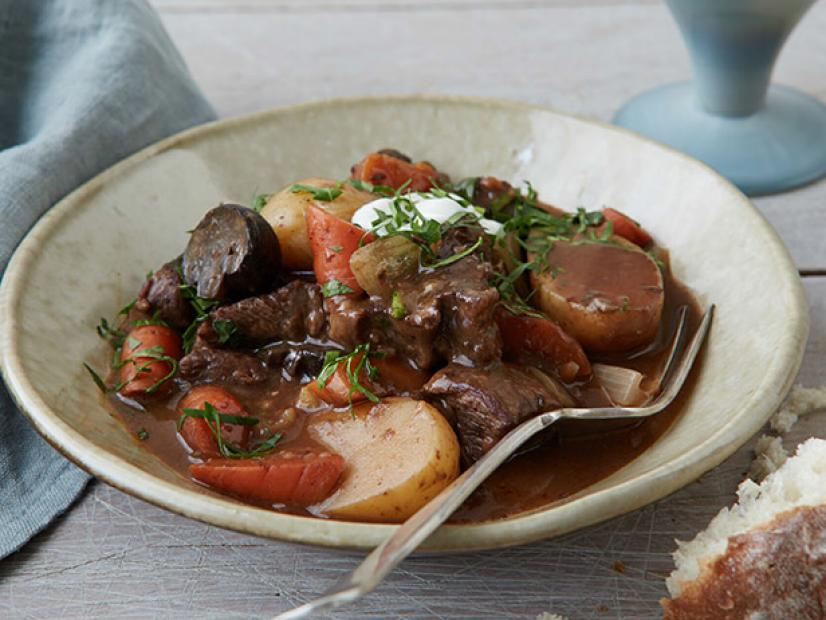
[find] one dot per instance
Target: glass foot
(781, 146)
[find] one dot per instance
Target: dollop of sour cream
(431, 207)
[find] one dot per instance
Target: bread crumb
(770, 455)
(801, 401)
(769, 451)
(549, 616)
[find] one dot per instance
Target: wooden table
(112, 555)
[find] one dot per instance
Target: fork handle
(417, 528)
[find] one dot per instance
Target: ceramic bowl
(89, 254)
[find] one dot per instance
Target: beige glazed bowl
(87, 257)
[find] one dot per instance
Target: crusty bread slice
(765, 557)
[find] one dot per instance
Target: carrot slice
(626, 227)
(300, 478)
(333, 241)
(396, 373)
(196, 432)
(140, 374)
(336, 390)
(525, 337)
(383, 169)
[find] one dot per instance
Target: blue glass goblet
(764, 139)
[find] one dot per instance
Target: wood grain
(115, 556)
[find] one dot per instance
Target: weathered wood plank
(113, 555)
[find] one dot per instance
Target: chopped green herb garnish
(335, 287)
(354, 362)
(142, 360)
(128, 307)
(382, 190)
(201, 306)
(458, 256)
(96, 378)
(337, 249)
(209, 412)
(325, 194)
(584, 219)
(259, 202)
(397, 309)
(214, 420)
(155, 320)
(143, 434)
(466, 188)
(226, 330)
(658, 261)
(113, 335)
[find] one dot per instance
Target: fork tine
(679, 374)
(677, 341)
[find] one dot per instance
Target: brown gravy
(577, 456)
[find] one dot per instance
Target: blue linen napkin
(82, 84)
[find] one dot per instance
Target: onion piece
(623, 385)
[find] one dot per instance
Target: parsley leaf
(259, 202)
(143, 434)
(201, 306)
(335, 287)
(214, 420)
(354, 362)
(226, 330)
(458, 256)
(113, 335)
(382, 190)
(325, 194)
(128, 307)
(96, 378)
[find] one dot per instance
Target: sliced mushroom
(233, 252)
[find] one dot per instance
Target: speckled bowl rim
(583, 511)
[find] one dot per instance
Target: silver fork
(417, 528)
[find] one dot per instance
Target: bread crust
(775, 571)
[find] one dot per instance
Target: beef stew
(347, 359)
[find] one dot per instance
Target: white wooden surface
(114, 556)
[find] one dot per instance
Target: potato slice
(608, 296)
(285, 212)
(400, 454)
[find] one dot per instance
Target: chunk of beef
(460, 238)
(207, 361)
(493, 194)
(450, 317)
(291, 313)
(162, 294)
(484, 404)
(459, 301)
(303, 362)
